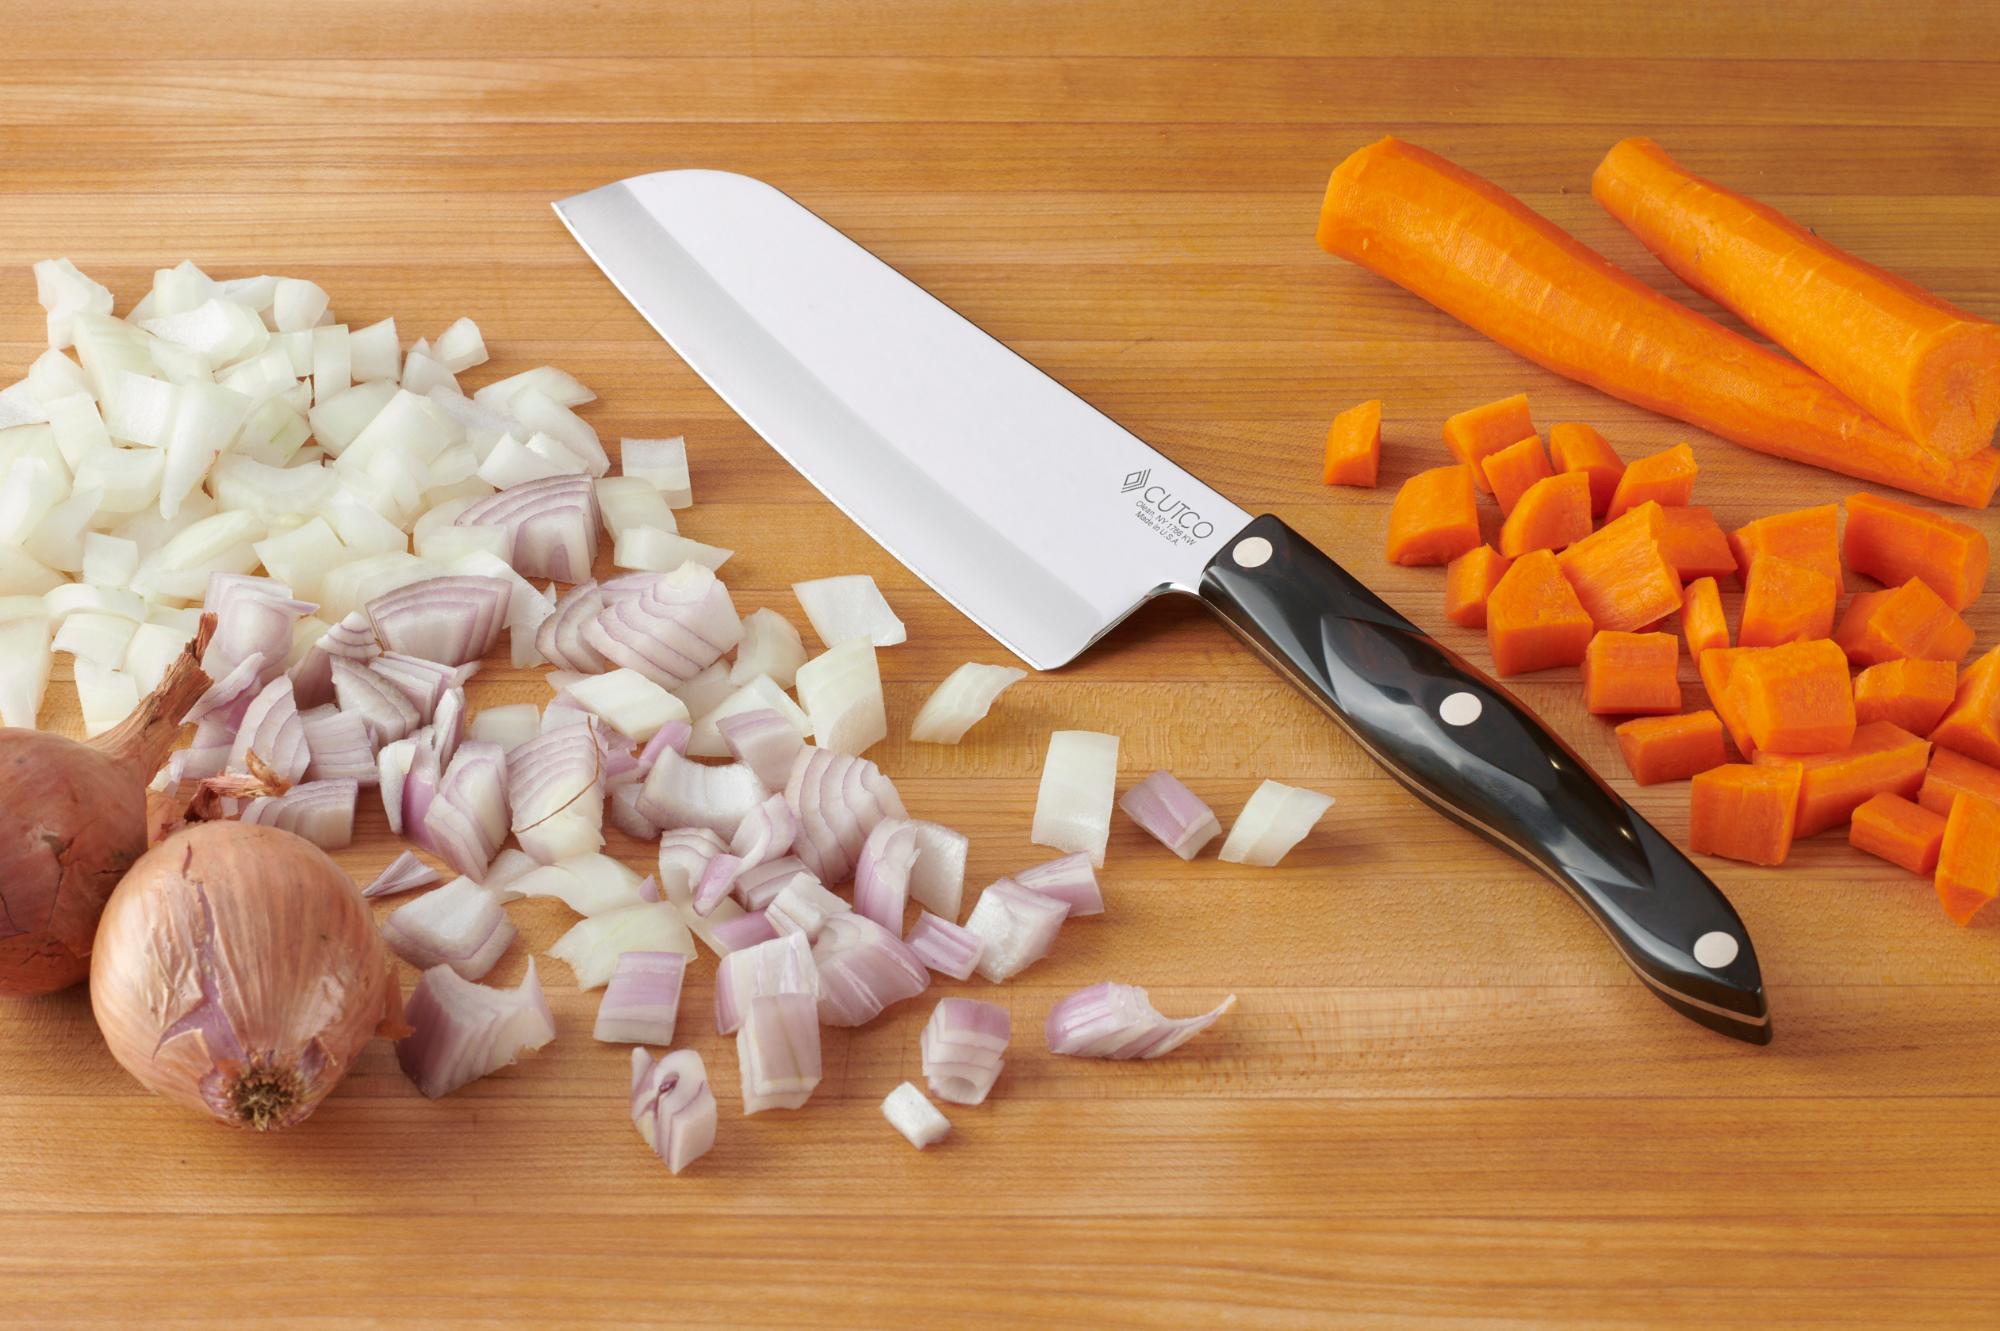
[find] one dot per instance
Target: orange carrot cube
(1702, 623)
(1574, 447)
(1907, 621)
(1809, 536)
(1971, 725)
(1741, 812)
(1891, 828)
(1695, 544)
(1533, 619)
(1665, 478)
(1892, 542)
(1619, 573)
(1553, 513)
(1632, 674)
(1435, 517)
(1354, 445)
(1473, 434)
(1968, 863)
(1914, 694)
(1882, 759)
(1795, 699)
(1671, 748)
(1784, 602)
(1469, 581)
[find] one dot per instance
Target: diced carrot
(1469, 581)
(1741, 812)
(1435, 518)
(1891, 542)
(1577, 447)
(1795, 699)
(1717, 665)
(1971, 725)
(1671, 748)
(1514, 468)
(1883, 757)
(1665, 478)
(1354, 445)
(1784, 602)
(1891, 828)
(1968, 865)
(1953, 774)
(1695, 544)
(1533, 619)
(1702, 623)
(1809, 536)
(1555, 512)
(1474, 433)
(1910, 621)
(1632, 674)
(1619, 573)
(1913, 694)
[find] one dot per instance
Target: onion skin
(73, 818)
(238, 971)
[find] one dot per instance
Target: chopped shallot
(962, 701)
(1171, 814)
(915, 1117)
(803, 907)
(463, 1031)
(841, 689)
(764, 741)
(962, 1047)
(667, 626)
(642, 1000)
(460, 925)
(937, 879)
(839, 798)
(589, 884)
(1276, 818)
(673, 1107)
(744, 931)
(628, 701)
(660, 462)
(1018, 926)
(863, 968)
(778, 1049)
(757, 887)
(1073, 806)
(679, 792)
(947, 948)
(405, 873)
(320, 811)
(592, 946)
(555, 790)
(882, 872)
(1118, 1021)
(783, 965)
(770, 646)
(1067, 878)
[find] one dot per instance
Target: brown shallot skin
(238, 971)
(73, 818)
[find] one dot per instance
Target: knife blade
(1047, 523)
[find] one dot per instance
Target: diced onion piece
(915, 1117)
(803, 906)
(393, 762)
(105, 696)
(659, 550)
(661, 463)
(559, 638)
(23, 575)
(373, 351)
(554, 522)
(460, 925)
(937, 879)
(673, 1107)
(733, 935)
(1276, 818)
(759, 695)
(882, 872)
(782, 966)
(460, 348)
(547, 379)
(302, 556)
(387, 710)
(642, 1000)
(778, 1048)
(65, 292)
(320, 811)
(588, 884)
(592, 946)
(627, 501)
(452, 619)
(681, 793)
(628, 702)
(340, 748)
(425, 374)
(946, 948)
(1171, 814)
(770, 646)
(839, 798)
(99, 639)
(1118, 1021)
(621, 809)
(511, 462)
(758, 888)
(271, 730)
(848, 607)
(765, 834)
(1069, 879)
(296, 304)
(684, 852)
(961, 702)
(25, 658)
(670, 627)
(763, 740)
(405, 873)
(539, 411)
(467, 820)
(863, 968)
(1018, 926)
(963, 1045)
(1073, 806)
(555, 788)
(463, 1031)
(507, 725)
(708, 689)
(841, 689)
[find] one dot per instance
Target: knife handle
(1468, 747)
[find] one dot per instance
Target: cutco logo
(1166, 515)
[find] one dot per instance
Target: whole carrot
(1488, 260)
(1920, 364)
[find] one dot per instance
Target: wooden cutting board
(1442, 1099)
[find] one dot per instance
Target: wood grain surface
(1443, 1100)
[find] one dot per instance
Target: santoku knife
(1047, 523)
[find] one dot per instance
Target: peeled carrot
(1576, 447)
(1784, 602)
(1913, 694)
(1971, 725)
(1968, 864)
(1702, 623)
(1533, 619)
(1666, 478)
(1478, 431)
(1554, 512)
(1891, 828)
(1435, 517)
(1514, 468)
(1953, 774)
(1717, 665)
(1486, 259)
(1469, 581)
(1744, 813)
(1619, 573)
(1695, 544)
(1795, 699)
(1920, 364)
(1671, 748)
(1882, 758)
(1809, 536)
(1892, 542)
(1632, 674)
(1910, 621)
(1354, 446)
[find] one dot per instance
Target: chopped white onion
(1276, 818)
(848, 607)
(673, 1107)
(593, 945)
(643, 999)
(1073, 806)
(778, 1050)
(25, 659)
(460, 348)
(547, 379)
(1118, 1021)
(628, 701)
(659, 550)
(963, 1048)
(759, 695)
(661, 463)
(626, 502)
(770, 646)
(1171, 814)
(1018, 927)
(588, 884)
(915, 1117)
(841, 689)
(462, 1031)
(961, 702)
(507, 725)
(937, 879)
(460, 925)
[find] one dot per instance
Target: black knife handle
(1468, 747)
